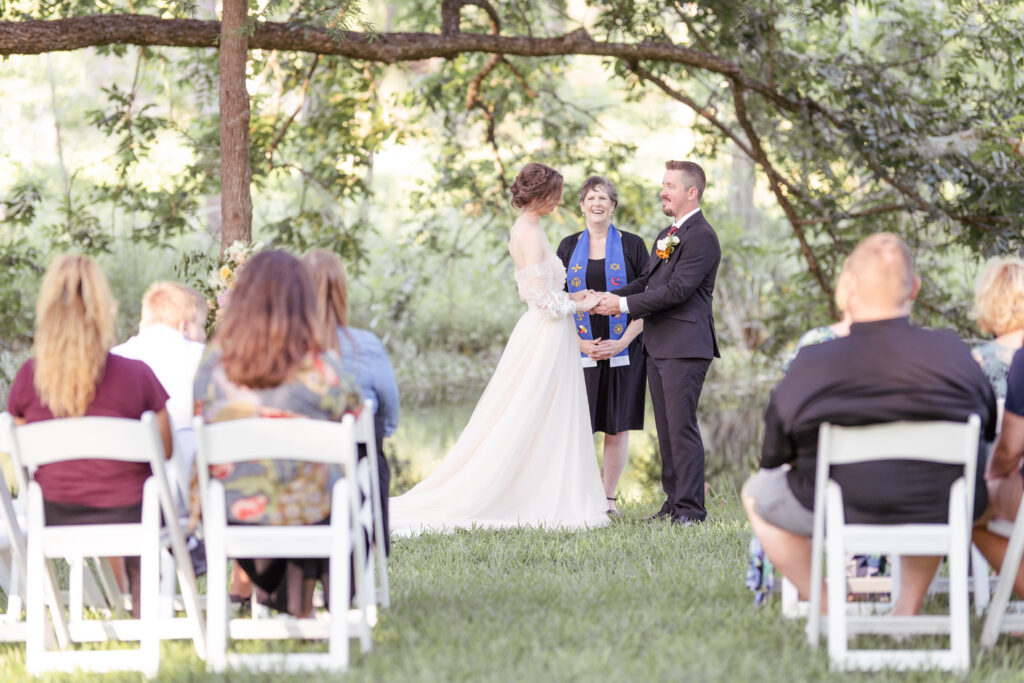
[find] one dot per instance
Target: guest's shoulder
(127, 366)
(365, 338)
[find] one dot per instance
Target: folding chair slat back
(940, 442)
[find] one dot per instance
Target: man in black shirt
(885, 370)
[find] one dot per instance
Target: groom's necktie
(672, 229)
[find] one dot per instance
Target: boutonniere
(665, 246)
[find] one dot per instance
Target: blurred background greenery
(114, 151)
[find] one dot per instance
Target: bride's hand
(588, 302)
(580, 295)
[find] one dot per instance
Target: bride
(527, 455)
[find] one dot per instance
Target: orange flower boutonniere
(665, 246)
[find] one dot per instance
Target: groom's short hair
(693, 175)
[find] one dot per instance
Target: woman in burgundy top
(73, 374)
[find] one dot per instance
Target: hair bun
(536, 184)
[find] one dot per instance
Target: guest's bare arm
(163, 422)
(1009, 447)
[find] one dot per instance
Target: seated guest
(361, 352)
(999, 308)
(1003, 474)
(885, 370)
(172, 330)
(825, 333)
(267, 360)
(73, 374)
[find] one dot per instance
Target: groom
(673, 297)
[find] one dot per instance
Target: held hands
(579, 296)
(588, 302)
(608, 305)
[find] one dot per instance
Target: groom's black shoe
(660, 515)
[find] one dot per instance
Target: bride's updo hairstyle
(536, 186)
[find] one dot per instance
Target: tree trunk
(235, 200)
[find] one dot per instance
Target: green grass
(638, 601)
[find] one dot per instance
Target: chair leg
(149, 577)
(341, 547)
(979, 575)
(216, 584)
(1004, 587)
(35, 616)
(835, 589)
(359, 553)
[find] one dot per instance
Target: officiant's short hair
(595, 182)
(693, 175)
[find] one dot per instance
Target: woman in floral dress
(268, 360)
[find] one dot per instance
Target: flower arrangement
(665, 246)
(223, 280)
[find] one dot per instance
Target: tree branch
(775, 182)
(39, 36)
(288, 123)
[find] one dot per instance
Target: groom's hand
(608, 305)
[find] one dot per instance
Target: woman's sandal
(611, 513)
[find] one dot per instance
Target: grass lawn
(638, 601)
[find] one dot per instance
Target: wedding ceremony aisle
(636, 601)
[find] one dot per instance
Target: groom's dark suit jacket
(674, 296)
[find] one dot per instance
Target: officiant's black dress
(616, 395)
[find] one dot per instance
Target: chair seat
(1003, 527)
(297, 541)
(897, 539)
(92, 540)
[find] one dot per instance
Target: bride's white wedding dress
(527, 455)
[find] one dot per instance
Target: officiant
(604, 258)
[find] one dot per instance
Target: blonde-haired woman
(72, 373)
(999, 309)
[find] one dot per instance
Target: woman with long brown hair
(268, 359)
(362, 353)
(72, 374)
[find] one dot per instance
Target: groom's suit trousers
(676, 385)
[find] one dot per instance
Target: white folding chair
(1004, 615)
(127, 440)
(369, 482)
(265, 439)
(941, 442)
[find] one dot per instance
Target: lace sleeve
(537, 287)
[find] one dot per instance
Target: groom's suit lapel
(687, 224)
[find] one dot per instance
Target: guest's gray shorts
(775, 503)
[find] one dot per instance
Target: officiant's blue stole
(614, 277)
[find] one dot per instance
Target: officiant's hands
(589, 346)
(608, 305)
(603, 350)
